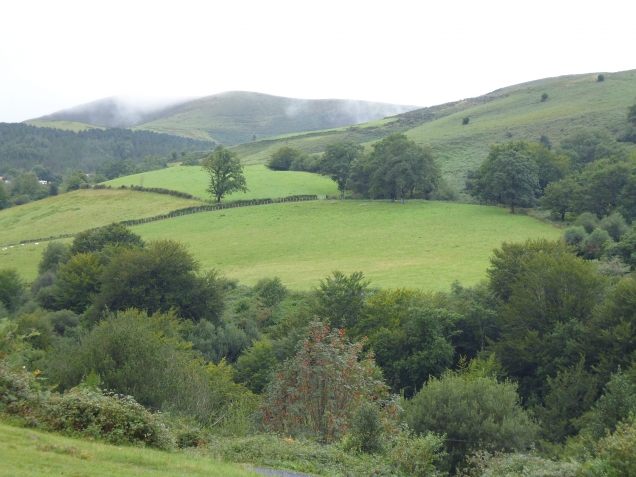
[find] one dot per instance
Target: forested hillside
(23, 146)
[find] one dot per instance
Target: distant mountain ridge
(230, 118)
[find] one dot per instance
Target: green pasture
(261, 182)
(511, 113)
(66, 125)
(81, 210)
(425, 245)
(26, 452)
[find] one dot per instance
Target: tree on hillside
(336, 162)
(283, 158)
(631, 114)
(226, 173)
(4, 196)
(396, 168)
(507, 177)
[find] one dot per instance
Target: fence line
(179, 213)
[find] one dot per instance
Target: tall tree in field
(226, 173)
(336, 162)
(507, 177)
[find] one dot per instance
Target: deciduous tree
(226, 173)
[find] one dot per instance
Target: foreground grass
(25, 452)
(425, 245)
(261, 182)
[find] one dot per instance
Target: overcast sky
(57, 54)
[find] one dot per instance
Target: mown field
(511, 113)
(425, 245)
(261, 182)
(26, 452)
(71, 213)
(65, 125)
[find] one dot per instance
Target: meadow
(261, 182)
(26, 452)
(425, 245)
(72, 213)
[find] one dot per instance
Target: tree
(10, 288)
(78, 281)
(631, 114)
(317, 392)
(336, 162)
(340, 299)
(507, 177)
(96, 240)
(54, 254)
(399, 168)
(589, 145)
(283, 158)
(559, 197)
(226, 173)
(4, 195)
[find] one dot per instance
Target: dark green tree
(559, 197)
(507, 177)
(589, 145)
(114, 235)
(336, 162)
(340, 299)
(78, 281)
(226, 173)
(4, 195)
(283, 158)
(11, 288)
(54, 254)
(631, 114)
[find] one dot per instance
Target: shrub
(416, 455)
(445, 192)
(615, 225)
(254, 366)
(588, 221)
(54, 254)
(600, 78)
(594, 244)
(271, 291)
(282, 159)
(575, 235)
(466, 120)
(485, 464)
(368, 433)
(19, 393)
(544, 97)
(473, 412)
(11, 288)
(619, 449)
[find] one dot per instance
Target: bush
(619, 449)
(600, 78)
(19, 393)
(575, 235)
(544, 97)
(11, 288)
(615, 225)
(54, 254)
(474, 412)
(282, 159)
(416, 455)
(271, 291)
(485, 464)
(466, 120)
(368, 433)
(588, 221)
(445, 192)
(594, 244)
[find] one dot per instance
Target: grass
(71, 213)
(65, 125)
(425, 245)
(27, 452)
(512, 113)
(261, 182)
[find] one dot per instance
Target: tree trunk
(512, 208)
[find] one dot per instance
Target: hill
(114, 112)
(236, 117)
(515, 112)
(261, 182)
(27, 452)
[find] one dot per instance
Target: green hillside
(65, 125)
(261, 182)
(26, 452)
(515, 112)
(419, 244)
(235, 117)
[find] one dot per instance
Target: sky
(55, 55)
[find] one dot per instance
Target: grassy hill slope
(64, 125)
(515, 112)
(235, 117)
(261, 182)
(71, 213)
(26, 452)
(419, 244)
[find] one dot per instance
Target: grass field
(419, 244)
(26, 452)
(71, 213)
(515, 112)
(66, 125)
(261, 182)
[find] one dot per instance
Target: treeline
(540, 354)
(23, 146)
(396, 168)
